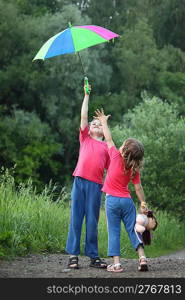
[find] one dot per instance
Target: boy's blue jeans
(85, 202)
(117, 210)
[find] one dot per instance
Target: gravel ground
(55, 266)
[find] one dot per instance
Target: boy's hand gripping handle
(86, 83)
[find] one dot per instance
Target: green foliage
(148, 55)
(29, 144)
(172, 87)
(169, 83)
(52, 89)
(157, 125)
(38, 7)
(136, 58)
(167, 19)
(31, 222)
(114, 103)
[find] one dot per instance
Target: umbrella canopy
(74, 39)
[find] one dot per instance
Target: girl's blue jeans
(117, 210)
(85, 202)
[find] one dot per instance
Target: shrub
(157, 125)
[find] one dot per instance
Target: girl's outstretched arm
(106, 131)
(141, 197)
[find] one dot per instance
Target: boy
(86, 190)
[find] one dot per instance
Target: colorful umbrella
(74, 39)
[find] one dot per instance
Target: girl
(125, 163)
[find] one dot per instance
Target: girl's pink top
(116, 181)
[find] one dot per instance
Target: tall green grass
(32, 222)
(167, 238)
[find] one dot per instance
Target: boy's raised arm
(84, 110)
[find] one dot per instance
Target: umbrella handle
(86, 83)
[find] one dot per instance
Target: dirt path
(54, 266)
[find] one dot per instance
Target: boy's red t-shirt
(93, 158)
(116, 182)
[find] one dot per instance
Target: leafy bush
(29, 144)
(157, 125)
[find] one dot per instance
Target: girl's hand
(101, 116)
(143, 208)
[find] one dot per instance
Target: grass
(32, 222)
(167, 238)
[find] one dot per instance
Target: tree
(157, 125)
(168, 22)
(38, 7)
(136, 60)
(52, 89)
(29, 144)
(170, 82)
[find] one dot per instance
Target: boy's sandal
(142, 264)
(98, 263)
(116, 268)
(73, 262)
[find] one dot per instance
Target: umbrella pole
(85, 77)
(81, 63)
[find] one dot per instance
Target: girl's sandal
(73, 262)
(116, 268)
(142, 264)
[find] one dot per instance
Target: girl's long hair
(133, 153)
(146, 235)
